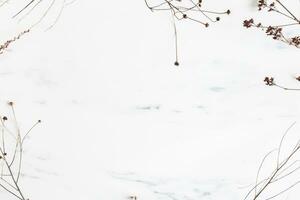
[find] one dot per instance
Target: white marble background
(119, 119)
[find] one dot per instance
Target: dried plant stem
(176, 42)
(44, 15)
(286, 9)
(31, 10)
(24, 8)
(12, 160)
(285, 88)
(281, 172)
(15, 181)
(270, 81)
(3, 3)
(4, 46)
(277, 31)
(183, 10)
(58, 16)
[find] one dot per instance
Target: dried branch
(183, 10)
(276, 31)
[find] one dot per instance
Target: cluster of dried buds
(276, 31)
(269, 81)
(187, 10)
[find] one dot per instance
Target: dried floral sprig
(276, 31)
(11, 154)
(4, 46)
(270, 81)
(182, 10)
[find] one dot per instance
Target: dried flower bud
(269, 81)
(248, 23)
